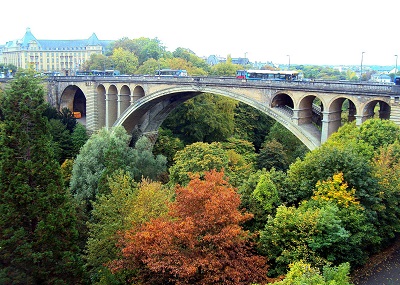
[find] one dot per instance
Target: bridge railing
(341, 86)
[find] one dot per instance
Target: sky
(335, 32)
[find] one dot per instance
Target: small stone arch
(376, 109)
(101, 103)
(111, 105)
(138, 92)
(338, 112)
(124, 99)
(283, 103)
(310, 110)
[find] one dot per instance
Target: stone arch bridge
(311, 110)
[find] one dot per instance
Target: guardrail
(368, 88)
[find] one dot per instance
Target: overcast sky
(306, 31)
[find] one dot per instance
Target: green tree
(167, 145)
(304, 273)
(148, 67)
(205, 118)
(97, 61)
(38, 234)
(79, 138)
(106, 152)
(251, 124)
(191, 57)
(254, 203)
(322, 164)
(111, 213)
(62, 147)
(197, 158)
(225, 69)
(330, 228)
(292, 146)
(386, 165)
(124, 61)
(272, 155)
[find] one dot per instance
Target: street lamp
(289, 61)
(362, 56)
(395, 70)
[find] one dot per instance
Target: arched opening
(138, 93)
(348, 111)
(79, 103)
(111, 105)
(74, 100)
(101, 103)
(377, 109)
(341, 111)
(283, 103)
(124, 99)
(310, 111)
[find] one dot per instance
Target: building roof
(29, 38)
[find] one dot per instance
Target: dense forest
(226, 195)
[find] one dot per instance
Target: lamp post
(362, 57)
(289, 61)
(395, 70)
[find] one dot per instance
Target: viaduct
(311, 110)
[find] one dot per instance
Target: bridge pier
(111, 109)
(92, 111)
(331, 121)
(302, 116)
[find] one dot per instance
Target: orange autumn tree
(200, 242)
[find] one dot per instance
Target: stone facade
(56, 57)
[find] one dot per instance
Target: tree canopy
(199, 242)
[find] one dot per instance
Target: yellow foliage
(336, 189)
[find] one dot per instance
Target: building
(214, 59)
(63, 56)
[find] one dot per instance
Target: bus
(397, 80)
(95, 72)
(51, 73)
(171, 72)
(283, 75)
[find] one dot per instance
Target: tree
(205, 118)
(79, 137)
(304, 273)
(292, 146)
(225, 69)
(330, 228)
(110, 214)
(386, 165)
(129, 204)
(199, 242)
(201, 157)
(98, 61)
(265, 181)
(251, 124)
(272, 155)
(124, 61)
(106, 152)
(38, 234)
(167, 145)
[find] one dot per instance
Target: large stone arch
(74, 99)
(147, 114)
